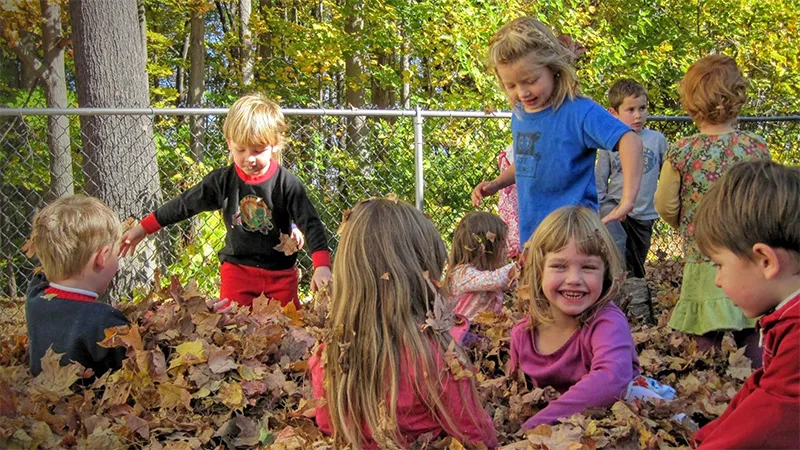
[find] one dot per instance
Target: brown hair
(389, 259)
(69, 230)
(564, 226)
(255, 120)
(754, 202)
(526, 35)
(623, 88)
(479, 240)
(713, 90)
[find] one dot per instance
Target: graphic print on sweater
(254, 215)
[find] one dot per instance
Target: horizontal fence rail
(430, 158)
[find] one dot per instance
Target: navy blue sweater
(72, 324)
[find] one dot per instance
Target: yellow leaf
(173, 396)
(189, 353)
(231, 395)
(55, 380)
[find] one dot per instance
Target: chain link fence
(431, 158)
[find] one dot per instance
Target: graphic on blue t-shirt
(526, 146)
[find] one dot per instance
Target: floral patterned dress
(507, 204)
(701, 160)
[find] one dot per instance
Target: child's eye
(589, 267)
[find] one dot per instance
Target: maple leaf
(189, 353)
(55, 380)
(173, 396)
(287, 245)
(442, 318)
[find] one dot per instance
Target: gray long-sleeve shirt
(608, 173)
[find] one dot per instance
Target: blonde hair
(479, 240)
(255, 120)
(713, 90)
(387, 263)
(754, 202)
(69, 230)
(524, 36)
(583, 227)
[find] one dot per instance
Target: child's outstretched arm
(630, 155)
(487, 188)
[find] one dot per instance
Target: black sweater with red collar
(256, 210)
(72, 324)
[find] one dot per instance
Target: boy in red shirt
(748, 224)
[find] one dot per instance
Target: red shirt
(766, 411)
(414, 418)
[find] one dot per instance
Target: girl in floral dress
(712, 92)
(477, 272)
(507, 204)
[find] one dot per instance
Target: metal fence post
(418, 155)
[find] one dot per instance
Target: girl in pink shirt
(576, 339)
(384, 371)
(478, 273)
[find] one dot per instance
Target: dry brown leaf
(287, 245)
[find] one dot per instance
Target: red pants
(242, 284)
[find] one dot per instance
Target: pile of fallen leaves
(195, 378)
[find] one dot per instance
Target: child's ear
(100, 259)
(767, 260)
(613, 112)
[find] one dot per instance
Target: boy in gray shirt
(628, 102)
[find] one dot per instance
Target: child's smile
(572, 281)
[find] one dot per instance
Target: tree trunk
(197, 52)
(265, 40)
(382, 95)
(354, 92)
(180, 73)
(55, 91)
(119, 154)
(247, 42)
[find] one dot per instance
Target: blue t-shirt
(555, 155)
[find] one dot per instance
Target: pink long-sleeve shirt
(592, 369)
(414, 418)
(475, 290)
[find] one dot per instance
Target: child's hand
(619, 213)
(321, 277)
(298, 237)
(221, 305)
(483, 189)
(130, 239)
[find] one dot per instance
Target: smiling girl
(575, 338)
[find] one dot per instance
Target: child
(755, 245)
(507, 204)
(383, 374)
(628, 102)
(477, 276)
(556, 131)
(576, 339)
(713, 92)
(76, 240)
(259, 199)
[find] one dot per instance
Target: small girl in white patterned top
(477, 271)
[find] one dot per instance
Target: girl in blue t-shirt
(556, 131)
